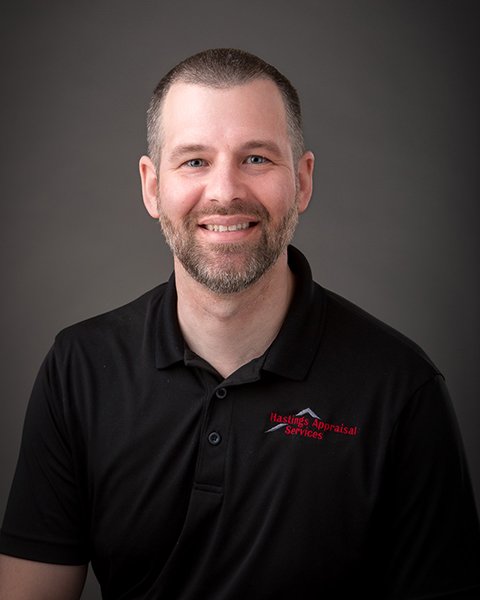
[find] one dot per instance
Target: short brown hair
(223, 68)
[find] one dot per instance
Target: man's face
(228, 192)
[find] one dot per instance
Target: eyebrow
(251, 145)
(261, 144)
(183, 149)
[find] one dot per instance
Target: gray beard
(229, 268)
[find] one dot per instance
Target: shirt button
(221, 393)
(214, 438)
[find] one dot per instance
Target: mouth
(221, 228)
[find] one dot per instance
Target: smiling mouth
(223, 228)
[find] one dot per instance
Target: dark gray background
(391, 105)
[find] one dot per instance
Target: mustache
(236, 207)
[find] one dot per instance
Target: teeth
(221, 228)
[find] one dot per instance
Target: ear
(305, 180)
(148, 176)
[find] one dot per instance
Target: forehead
(192, 112)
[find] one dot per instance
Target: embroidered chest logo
(307, 424)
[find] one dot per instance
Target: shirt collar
(293, 350)
(169, 342)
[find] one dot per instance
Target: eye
(255, 159)
(195, 162)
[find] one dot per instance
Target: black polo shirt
(329, 467)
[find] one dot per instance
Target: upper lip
(227, 220)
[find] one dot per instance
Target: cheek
(277, 194)
(177, 199)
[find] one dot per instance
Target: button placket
(216, 429)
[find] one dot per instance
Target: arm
(44, 521)
(431, 526)
(29, 580)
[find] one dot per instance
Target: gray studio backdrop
(390, 95)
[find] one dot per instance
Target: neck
(232, 329)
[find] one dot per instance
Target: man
(239, 431)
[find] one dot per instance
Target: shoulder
(124, 323)
(377, 344)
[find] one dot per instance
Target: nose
(225, 183)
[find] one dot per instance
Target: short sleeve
(45, 519)
(431, 532)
